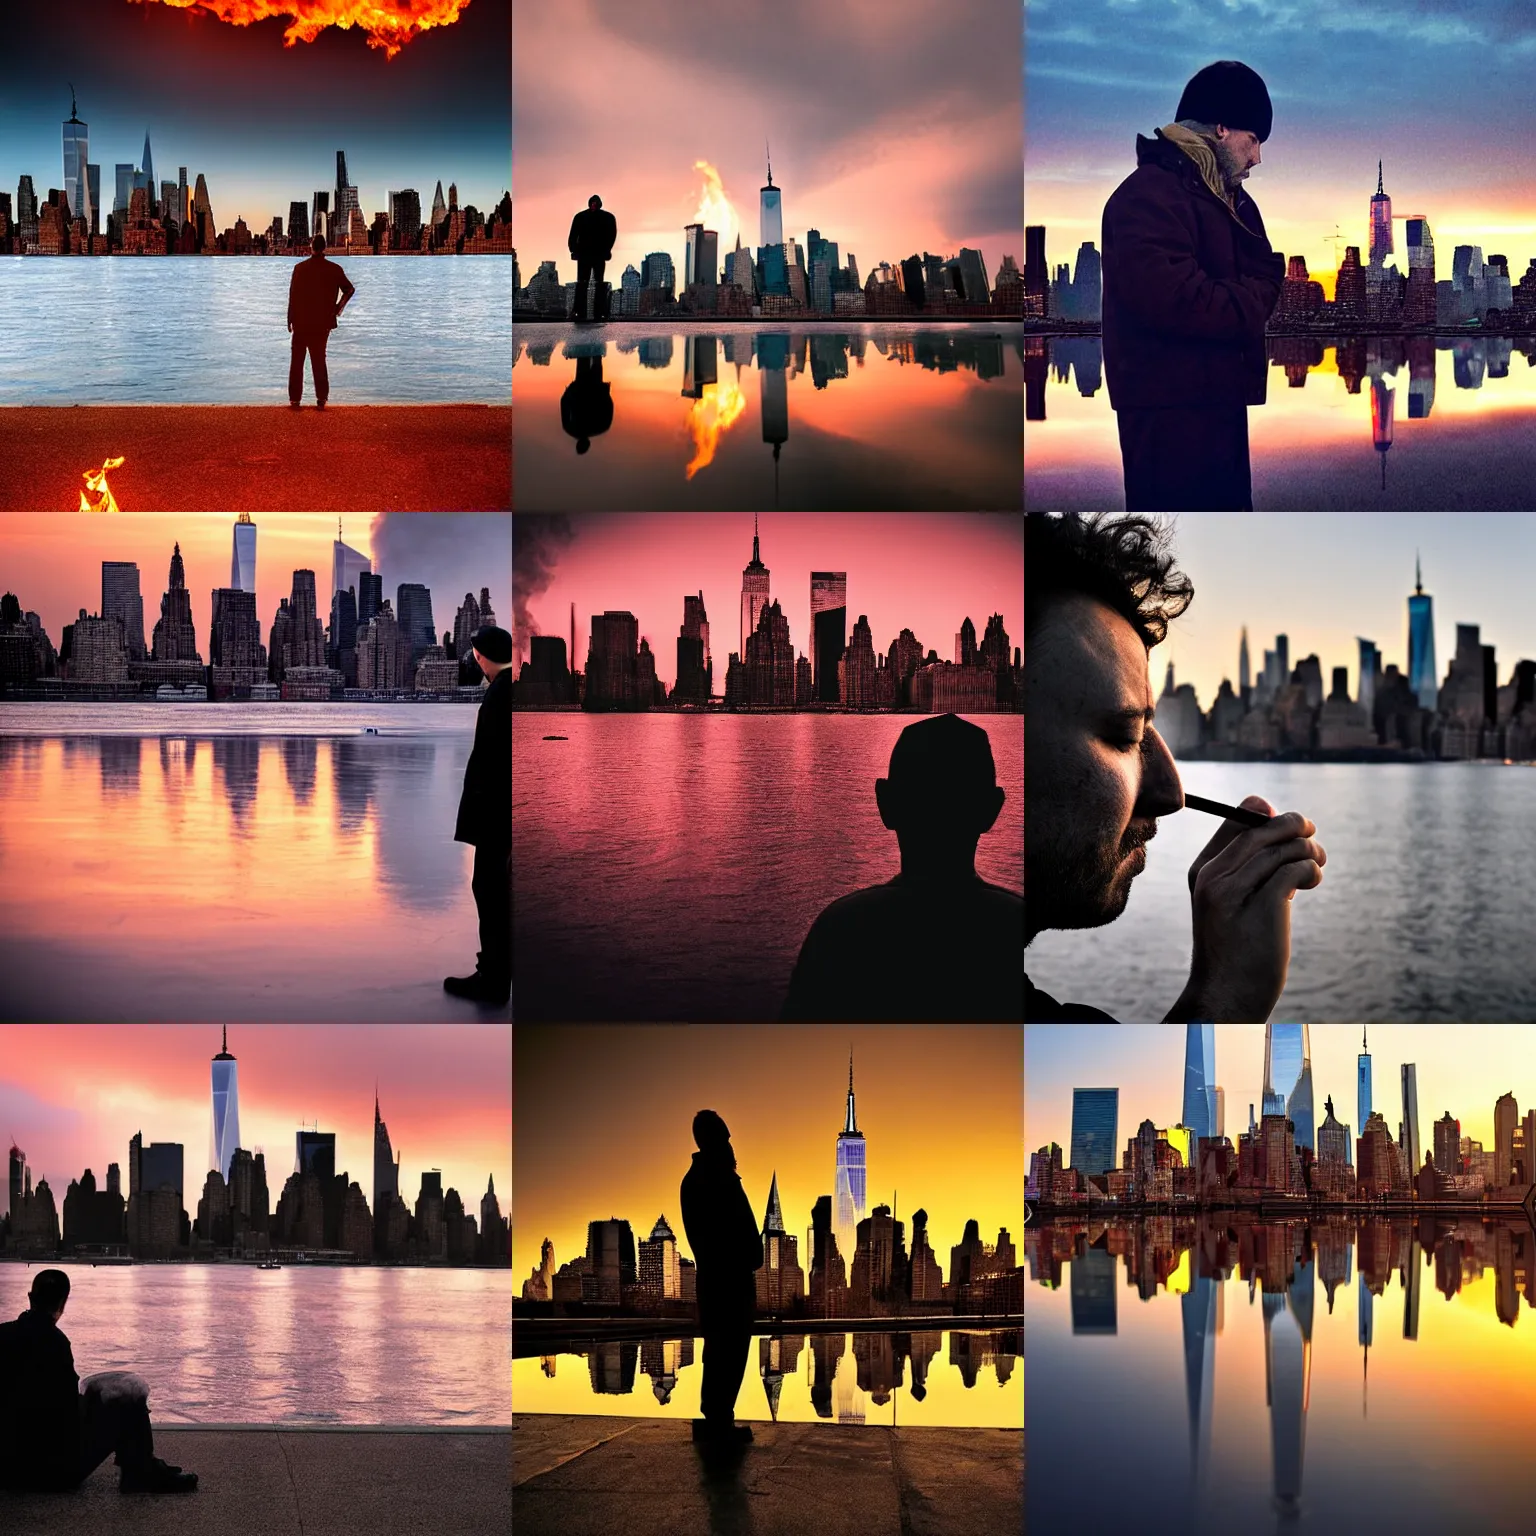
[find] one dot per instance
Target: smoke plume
(537, 540)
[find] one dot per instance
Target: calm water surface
(1379, 423)
(208, 330)
(246, 862)
(669, 866)
(953, 1377)
(1424, 913)
(1331, 1375)
(756, 415)
(232, 1344)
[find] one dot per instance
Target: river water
(669, 866)
(1424, 912)
(213, 331)
(234, 862)
(233, 1344)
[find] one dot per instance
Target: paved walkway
(295, 1482)
(260, 458)
(587, 1476)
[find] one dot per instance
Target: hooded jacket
(39, 1405)
(722, 1232)
(1190, 281)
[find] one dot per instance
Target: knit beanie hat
(1231, 94)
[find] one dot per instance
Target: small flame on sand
(709, 417)
(96, 480)
(390, 24)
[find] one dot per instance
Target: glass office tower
(1363, 1095)
(1199, 1082)
(1095, 1117)
(1411, 1119)
(242, 559)
(848, 1190)
(829, 630)
(1421, 642)
(77, 152)
(1288, 1079)
(226, 1108)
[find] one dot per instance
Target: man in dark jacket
(591, 243)
(485, 819)
(586, 407)
(51, 1436)
(312, 314)
(1189, 284)
(728, 1250)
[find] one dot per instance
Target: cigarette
(1228, 812)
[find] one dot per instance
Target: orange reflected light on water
(708, 417)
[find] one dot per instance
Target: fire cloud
(390, 24)
(715, 210)
(709, 417)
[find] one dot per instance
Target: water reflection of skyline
(1282, 1263)
(842, 1373)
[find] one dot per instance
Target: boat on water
(557, 738)
(269, 1264)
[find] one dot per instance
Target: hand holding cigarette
(1241, 887)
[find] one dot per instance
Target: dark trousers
(312, 342)
(1186, 460)
(493, 901)
(726, 1342)
(587, 266)
(119, 1425)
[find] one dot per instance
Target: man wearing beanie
(485, 819)
(1189, 284)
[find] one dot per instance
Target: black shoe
(319, 405)
(293, 405)
(478, 988)
(158, 1477)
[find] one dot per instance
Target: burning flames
(715, 210)
(96, 480)
(709, 417)
(390, 24)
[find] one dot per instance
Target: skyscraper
(413, 609)
(1421, 641)
(1199, 1082)
(242, 559)
(829, 629)
(1095, 1118)
(1288, 1078)
(121, 600)
(1411, 1118)
(386, 1164)
(694, 676)
(1381, 222)
(226, 1109)
(306, 643)
(1363, 1067)
(370, 596)
(345, 199)
(175, 639)
(77, 152)
(965, 645)
(1244, 675)
(147, 170)
(848, 1187)
(754, 591)
(770, 212)
(315, 1152)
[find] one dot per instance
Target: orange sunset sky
(604, 1124)
(72, 1096)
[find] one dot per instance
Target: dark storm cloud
(537, 540)
(450, 552)
(989, 197)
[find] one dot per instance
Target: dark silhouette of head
(710, 1131)
(582, 444)
(50, 1290)
(940, 796)
(594, 201)
(317, 245)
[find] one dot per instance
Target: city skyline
(783, 1094)
(73, 1098)
(215, 85)
(53, 565)
(1463, 1069)
(1348, 579)
(917, 150)
(645, 563)
(1347, 88)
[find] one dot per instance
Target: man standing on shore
(312, 315)
(485, 820)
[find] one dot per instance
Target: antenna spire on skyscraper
(1379, 192)
(1418, 577)
(768, 152)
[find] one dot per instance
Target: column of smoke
(537, 540)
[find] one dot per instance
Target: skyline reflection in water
(241, 877)
(752, 415)
(1312, 1375)
(1374, 423)
(958, 1377)
(320, 1344)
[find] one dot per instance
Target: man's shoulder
(1041, 1008)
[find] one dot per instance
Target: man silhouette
(485, 819)
(591, 244)
(937, 943)
(727, 1249)
(312, 314)
(53, 1436)
(586, 407)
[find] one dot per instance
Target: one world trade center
(226, 1109)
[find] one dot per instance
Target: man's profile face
(1096, 774)
(1237, 150)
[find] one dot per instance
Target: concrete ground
(590, 1476)
(260, 458)
(260, 1481)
